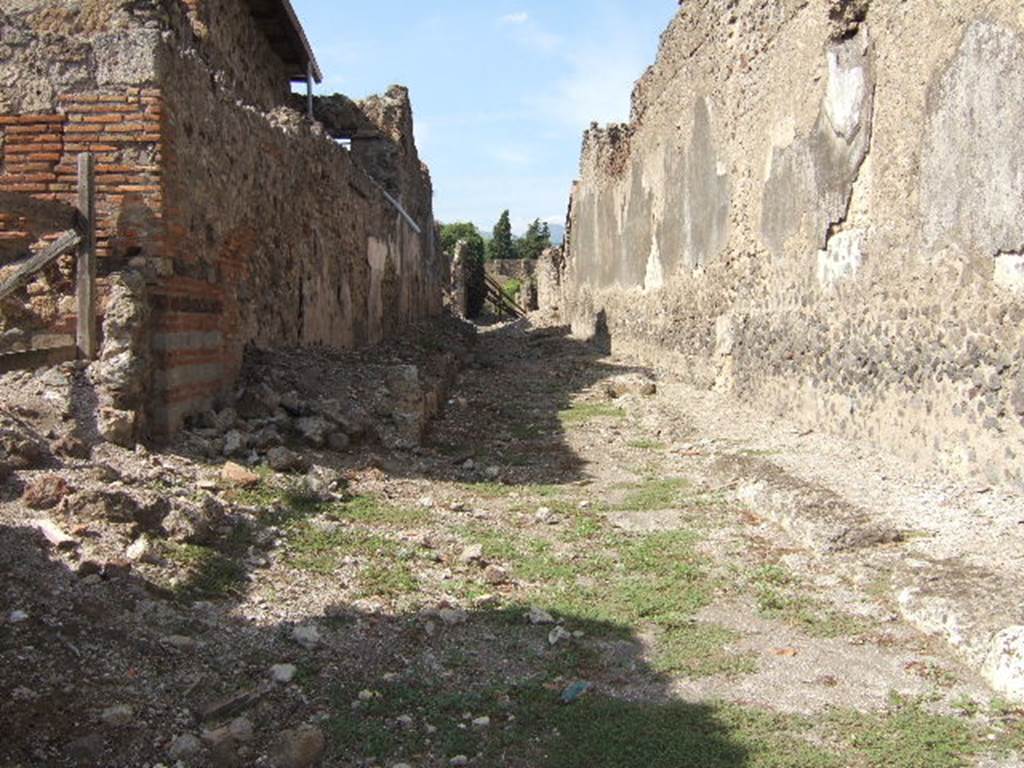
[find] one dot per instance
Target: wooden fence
(82, 238)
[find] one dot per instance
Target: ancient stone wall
(249, 225)
(503, 270)
(226, 35)
(820, 206)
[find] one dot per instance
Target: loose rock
(283, 673)
(299, 748)
(184, 746)
(306, 635)
(239, 476)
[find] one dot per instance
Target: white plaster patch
(725, 335)
(654, 277)
(1004, 667)
(1009, 272)
(842, 259)
(844, 97)
(377, 254)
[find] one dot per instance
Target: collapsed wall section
(820, 207)
(289, 242)
(234, 219)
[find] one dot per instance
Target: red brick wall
(40, 158)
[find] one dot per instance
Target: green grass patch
(656, 493)
(699, 650)
(583, 413)
(490, 490)
(530, 727)
(211, 574)
(371, 510)
(527, 431)
(387, 578)
(321, 549)
(908, 736)
(778, 596)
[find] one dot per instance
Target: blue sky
(502, 91)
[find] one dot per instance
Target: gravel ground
(573, 527)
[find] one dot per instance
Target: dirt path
(564, 534)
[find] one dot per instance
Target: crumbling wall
(248, 224)
(290, 242)
(819, 207)
(227, 38)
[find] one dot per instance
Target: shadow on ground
(510, 413)
(383, 688)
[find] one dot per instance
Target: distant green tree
(501, 245)
(536, 239)
(476, 289)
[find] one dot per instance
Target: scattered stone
(482, 722)
(458, 761)
(486, 601)
(426, 502)
(495, 575)
(492, 473)
(45, 492)
(266, 438)
(298, 748)
(258, 401)
(630, 384)
(241, 729)
(142, 550)
(239, 476)
(574, 691)
(53, 534)
(194, 523)
(539, 616)
(558, 634)
(16, 617)
(283, 673)
(474, 553)
(405, 721)
(179, 642)
(234, 443)
(306, 635)
(285, 460)
(314, 430)
(368, 695)
(294, 404)
(184, 747)
(452, 616)
(224, 740)
(117, 426)
(117, 716)
(70, 446)
(546, 516)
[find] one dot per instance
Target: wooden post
(86, 289)
(309, 89)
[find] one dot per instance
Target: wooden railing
(82, 237)
(501, 301)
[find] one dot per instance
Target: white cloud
(515, 18)
(528, 32)
(596, 88)
(514, 157)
